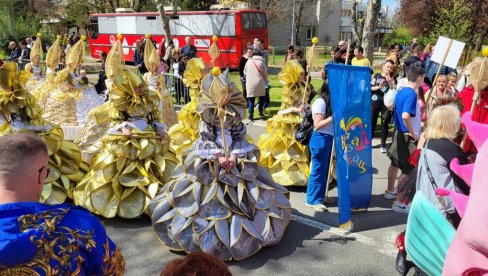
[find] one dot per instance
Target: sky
(392, 6)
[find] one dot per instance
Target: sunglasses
(47, 170)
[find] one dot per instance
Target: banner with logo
(350, 93)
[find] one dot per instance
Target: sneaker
(383, 150)
(400, 208)
(389, 195)
(318, 207)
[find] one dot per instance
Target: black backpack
(304, 131)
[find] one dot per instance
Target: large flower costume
(20, 113)
(157, 83)
(286, 158)
(186, 132)
(37, 74)
(42, 91)
(134, 161)
(230, 211)
(69, 104)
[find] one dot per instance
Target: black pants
(386, 115)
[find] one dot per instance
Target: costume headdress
(150, 53)
(13, 97)
(37, 48)
(54, 53)
(75, 54)
(115, 63)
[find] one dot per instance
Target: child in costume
(285, 157)
(20, 113)
(135, 159)
(220, 200)
(70, 103)
(34, 67)
(42, 91)
(157, 82)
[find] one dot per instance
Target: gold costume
(285, 157)
(129, 171)
(70, 103)
(37, 74)
(48, 85)
(230, 213)
(186, 132)
(20, 113)
(157, 83)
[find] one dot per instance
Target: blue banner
(350, 94)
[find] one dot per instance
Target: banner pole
(329, 175)
(347, 53)
(442, 63)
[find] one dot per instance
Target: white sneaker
(400, 208)
(318, 207)
(389, 195)
(383, 150)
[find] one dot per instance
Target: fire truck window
(253, 20)
(94, 27)
(151, 17)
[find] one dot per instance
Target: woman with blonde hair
(434, 171)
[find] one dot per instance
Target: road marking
(386, 246)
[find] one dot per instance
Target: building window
(310, 32)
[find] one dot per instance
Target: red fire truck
(235, 28)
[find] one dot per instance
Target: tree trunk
(369, 29)
(299, 22)
(164, 19)
(356, 33)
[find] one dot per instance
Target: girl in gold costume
(20, 113)
(285, 157)
(69, 104)
(186, 132)
(157, 82)
(220, 200)
(135, 159)
(34, 67)
(42, 91)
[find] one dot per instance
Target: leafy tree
(196, 5)
(400, 35)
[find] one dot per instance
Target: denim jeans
(250, 105)
(320, 148)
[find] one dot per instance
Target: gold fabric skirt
(185, 132)
(286, 159)
(126, 175)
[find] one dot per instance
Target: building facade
(383, 26)
(320, 18)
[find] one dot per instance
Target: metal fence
(178, 89)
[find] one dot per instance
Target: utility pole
(293, 23)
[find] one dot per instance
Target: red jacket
(480, 113)
(161, 50)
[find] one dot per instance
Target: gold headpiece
(291, 72)
(13, 96)
(115, 63)
(150, 53)
(75, 54)
(37, 48)
(54, 53)
(214, 51)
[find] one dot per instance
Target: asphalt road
(312, 244)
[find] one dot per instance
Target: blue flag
(350, 94)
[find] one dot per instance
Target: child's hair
(175, 51)
(82, 72)
(196, 264)
(452, 77)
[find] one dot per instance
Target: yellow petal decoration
(280, 152)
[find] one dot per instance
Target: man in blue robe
(39, 239)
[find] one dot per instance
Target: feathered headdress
(75, 54)
(37, 48)
(150, 53)
(54, 53)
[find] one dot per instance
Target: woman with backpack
(320, 148)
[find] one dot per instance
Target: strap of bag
(432, 180)
(259, 70)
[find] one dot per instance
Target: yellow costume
(157, 82)
(185, 132)
(131, 168)
(20, 113)
(285, 157)
(37, 74)
(70, 103)
(48, 85)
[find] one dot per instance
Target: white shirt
(319, 107)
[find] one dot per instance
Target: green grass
(274, 94)
(279, 61)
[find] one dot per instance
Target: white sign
(455, 51)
